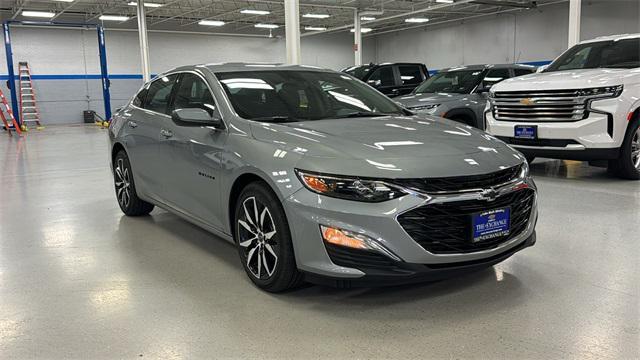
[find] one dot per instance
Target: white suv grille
(538, 106)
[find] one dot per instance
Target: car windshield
(623, 54)
(456, 81)
(358, 71)
(284, 95)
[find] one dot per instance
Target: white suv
(583, 106)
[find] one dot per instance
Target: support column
(575, 7)
(11, 82)
(357, 38)
(292, 30)
(144, 43)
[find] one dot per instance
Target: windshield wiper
(363, 114)
(276, 119)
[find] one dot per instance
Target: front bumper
(306, 211)
(408, 273)
(597, 137)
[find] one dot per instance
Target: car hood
(570, 79)
(415, 100)
(390, 146)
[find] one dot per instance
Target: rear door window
(159, 94)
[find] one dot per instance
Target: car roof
(239, 67)
(490, 66)
(612, 37)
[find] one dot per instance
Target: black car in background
(392, 79)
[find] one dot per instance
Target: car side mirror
(195, 117)
(484, 88)
(374, 83)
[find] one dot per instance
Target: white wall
(63, 52)
(520, 36)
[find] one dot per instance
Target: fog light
(352, 240)
(340, 237)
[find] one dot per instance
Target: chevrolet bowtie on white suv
(583, 106)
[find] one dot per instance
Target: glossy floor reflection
(79, 280)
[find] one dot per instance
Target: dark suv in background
(460, 93)
(391, 79)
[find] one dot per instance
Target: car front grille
(561, 143)
(446, 228)
(539, 106)
(458, 183)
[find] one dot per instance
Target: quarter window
(159, 93)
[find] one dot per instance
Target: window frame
(173, 93)
(421, 70)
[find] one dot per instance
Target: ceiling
(184, 15)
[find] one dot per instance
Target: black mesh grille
(446, 228)
(457, 183)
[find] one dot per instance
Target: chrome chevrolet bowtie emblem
(489, 194)
(527, 101)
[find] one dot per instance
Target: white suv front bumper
(597, 137)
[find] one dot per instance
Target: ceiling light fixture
(363, 30)
(445, 1)
(113, 18)
(41, 14)
(367, 18)
(316, 16)
(416, 20)
(266, 26)
(315, 28)
(148, 4)
(255, 12)
(64, 0)
(211, 22)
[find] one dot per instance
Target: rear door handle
(166, 133)
(133, 124)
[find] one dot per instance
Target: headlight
(601, 92)
(426, 108)
(347, 188)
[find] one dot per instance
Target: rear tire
(627, 166)
(263, 239)
(128, 200)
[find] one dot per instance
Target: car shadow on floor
(490, 289)
(569, 169)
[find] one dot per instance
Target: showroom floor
(78, 279)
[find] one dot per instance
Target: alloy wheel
(123, 184)
(635, 149)
(256, 236)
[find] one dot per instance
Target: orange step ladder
(28, 107)
(7, 117)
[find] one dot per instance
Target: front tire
(628, 165)
(128, 200)
(263, 239)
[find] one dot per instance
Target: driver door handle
(133, 124)
(166, 133)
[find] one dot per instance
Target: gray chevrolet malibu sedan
(316, 176)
